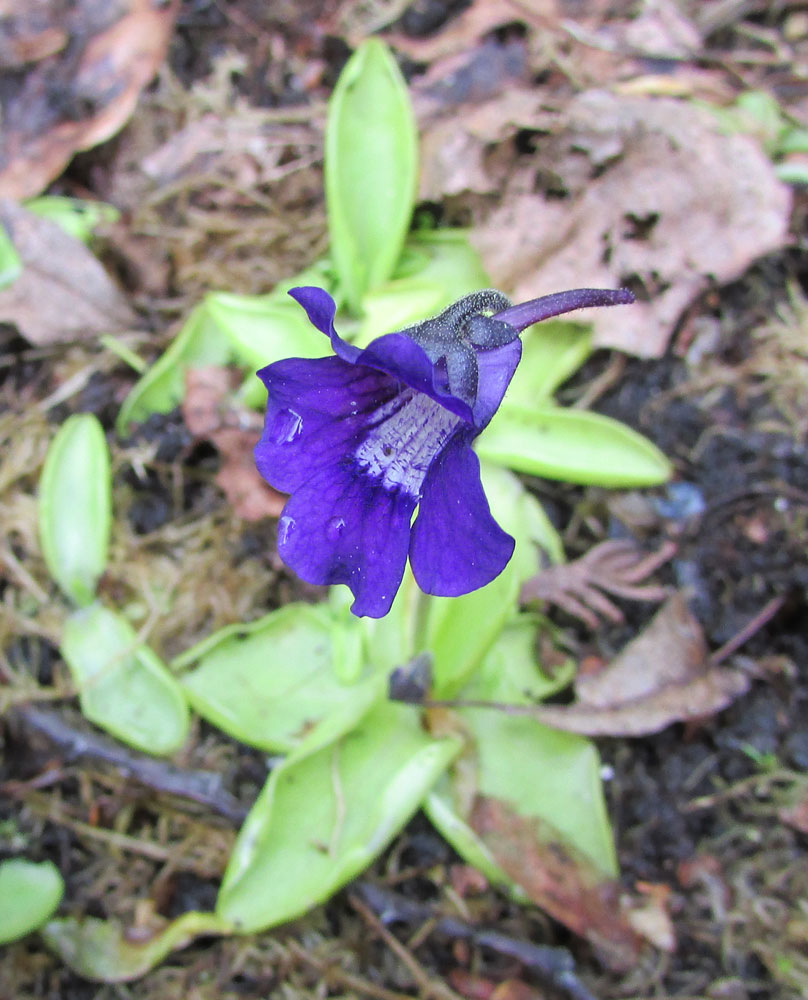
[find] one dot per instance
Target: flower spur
(363, 437)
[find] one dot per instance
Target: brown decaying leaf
(662, 676)
(796, 816)
(208, 416)
(476, 987)
(617, 566)
(63, 293)
(465, 30)
(667, 203)
(561, 880)
(81, 94)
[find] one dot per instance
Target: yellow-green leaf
(75, 506)
(371, 169)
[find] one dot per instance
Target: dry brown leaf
(63, 293)
(661, 29)
(662, 676)
(209, 416)
(616, 566)
(661, 199)
(650, 915)
(796, 816)
(463, 31)
(559, 879)
(87, 68)
(455, 149)
(248, 144)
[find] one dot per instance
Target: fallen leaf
(464, 31)
(470, 985)
(616, 566)
(83, 73)
(456, 149)
(659, 199)
(663, 676)
(796, 816)
(661, 29)
(650, 915)
(559, 879)
(63, 293)
(210, 415)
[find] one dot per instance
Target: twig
(426, 984)
(334, 973)
(204, 787)
(555, 966)
(755, 624)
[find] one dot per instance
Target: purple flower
(362, 438)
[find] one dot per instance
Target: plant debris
(209, 416)
(665, 675)
(657, 198)
(73, 80)
(63, 293)
(617, 566)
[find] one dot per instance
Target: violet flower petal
(393, 353)
(342, 526)
(495, 371)
(402, 358)
(321, 310)
(456, 545)
(316, 408)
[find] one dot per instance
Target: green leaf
(123, 685)
(75, 506)
(270, 683)
(459, 631)
(437, 268)
(29, 893)
(562, 783)
(250, 331)
(162, 388)
(371, 169)
(792, 172)
(99, 950)
(551, 352)
(398, 304)
(324, 816)
(795, 140)
(521, 515)
(575, 446)
(77, 217)
(10, 261)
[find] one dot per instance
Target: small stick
(554, 965)
(427, 986)
(767, 612)
(204, 787)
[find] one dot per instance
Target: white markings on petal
(407, 434)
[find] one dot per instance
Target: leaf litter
(63, 293)
(211, 415)
(617, 566)
(664, 202)
(74, 79)
(663, 676)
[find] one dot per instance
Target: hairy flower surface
(362, 438)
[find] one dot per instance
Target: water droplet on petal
(335, 528)
(286, 526)
(286, 426)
